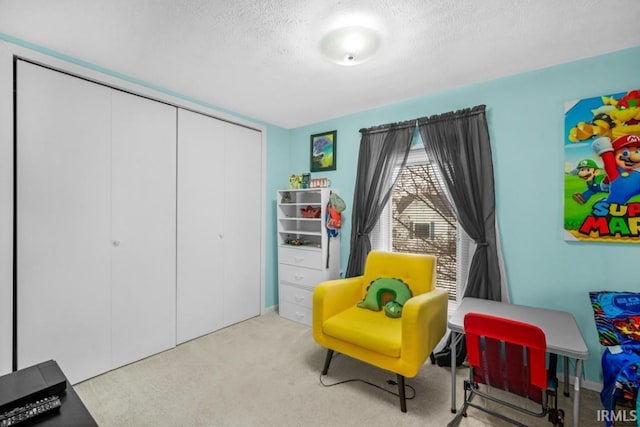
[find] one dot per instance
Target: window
(423, 230)
(419, 219)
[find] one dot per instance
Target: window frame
(380, 236)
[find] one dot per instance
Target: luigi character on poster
(602, 168)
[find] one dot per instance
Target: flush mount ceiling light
(350, 45)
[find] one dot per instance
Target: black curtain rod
(472, 111)
(478, 109)
(384, 128)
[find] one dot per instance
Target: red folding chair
(508, 355)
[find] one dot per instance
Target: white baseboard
(592, 385)
(585, 383)
(271, 309)
(588, 384)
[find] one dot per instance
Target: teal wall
(525, 114)
(525, 117)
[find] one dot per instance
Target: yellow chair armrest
(334, 296)
(424, 323)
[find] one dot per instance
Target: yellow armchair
(400, 345)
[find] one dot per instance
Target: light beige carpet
(265, 372)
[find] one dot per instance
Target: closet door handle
(116, 243)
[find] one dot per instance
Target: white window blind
(453, 261)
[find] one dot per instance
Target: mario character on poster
(602, 168)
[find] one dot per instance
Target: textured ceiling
(260, 58)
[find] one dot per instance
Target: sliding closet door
(63, 222)
(219, 224)
(143, 227)
(201, 257)
(243, 189)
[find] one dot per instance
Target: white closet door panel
(201, 165)
(242, 221)
(143, 227)
(63, 199)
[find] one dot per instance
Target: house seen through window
(419, 219)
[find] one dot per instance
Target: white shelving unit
(306, 255)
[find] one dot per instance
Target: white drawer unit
(300, 257)
(296, 295)
(306, 254)
(300, 276)
(295, 312)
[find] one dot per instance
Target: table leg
(566, 376)
(553, 365)
(453, 372)
(576, 395)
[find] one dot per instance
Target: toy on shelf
(306, 178)
(304, 181)
(320, 183)
(295, 181)
(310, 212)
(296, 242)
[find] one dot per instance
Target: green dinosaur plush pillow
(386, 292)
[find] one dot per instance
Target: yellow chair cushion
(368, 329)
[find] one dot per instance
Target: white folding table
(561, 330)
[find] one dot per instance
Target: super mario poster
(602, 168)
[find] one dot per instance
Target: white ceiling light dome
(351, 45)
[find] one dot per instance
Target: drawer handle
(298, 258)
(299, 315)
(299, 298)
(299, 277)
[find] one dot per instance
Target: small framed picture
(323, 151)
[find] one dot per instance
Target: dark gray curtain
(458, 143)
(382, 148)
